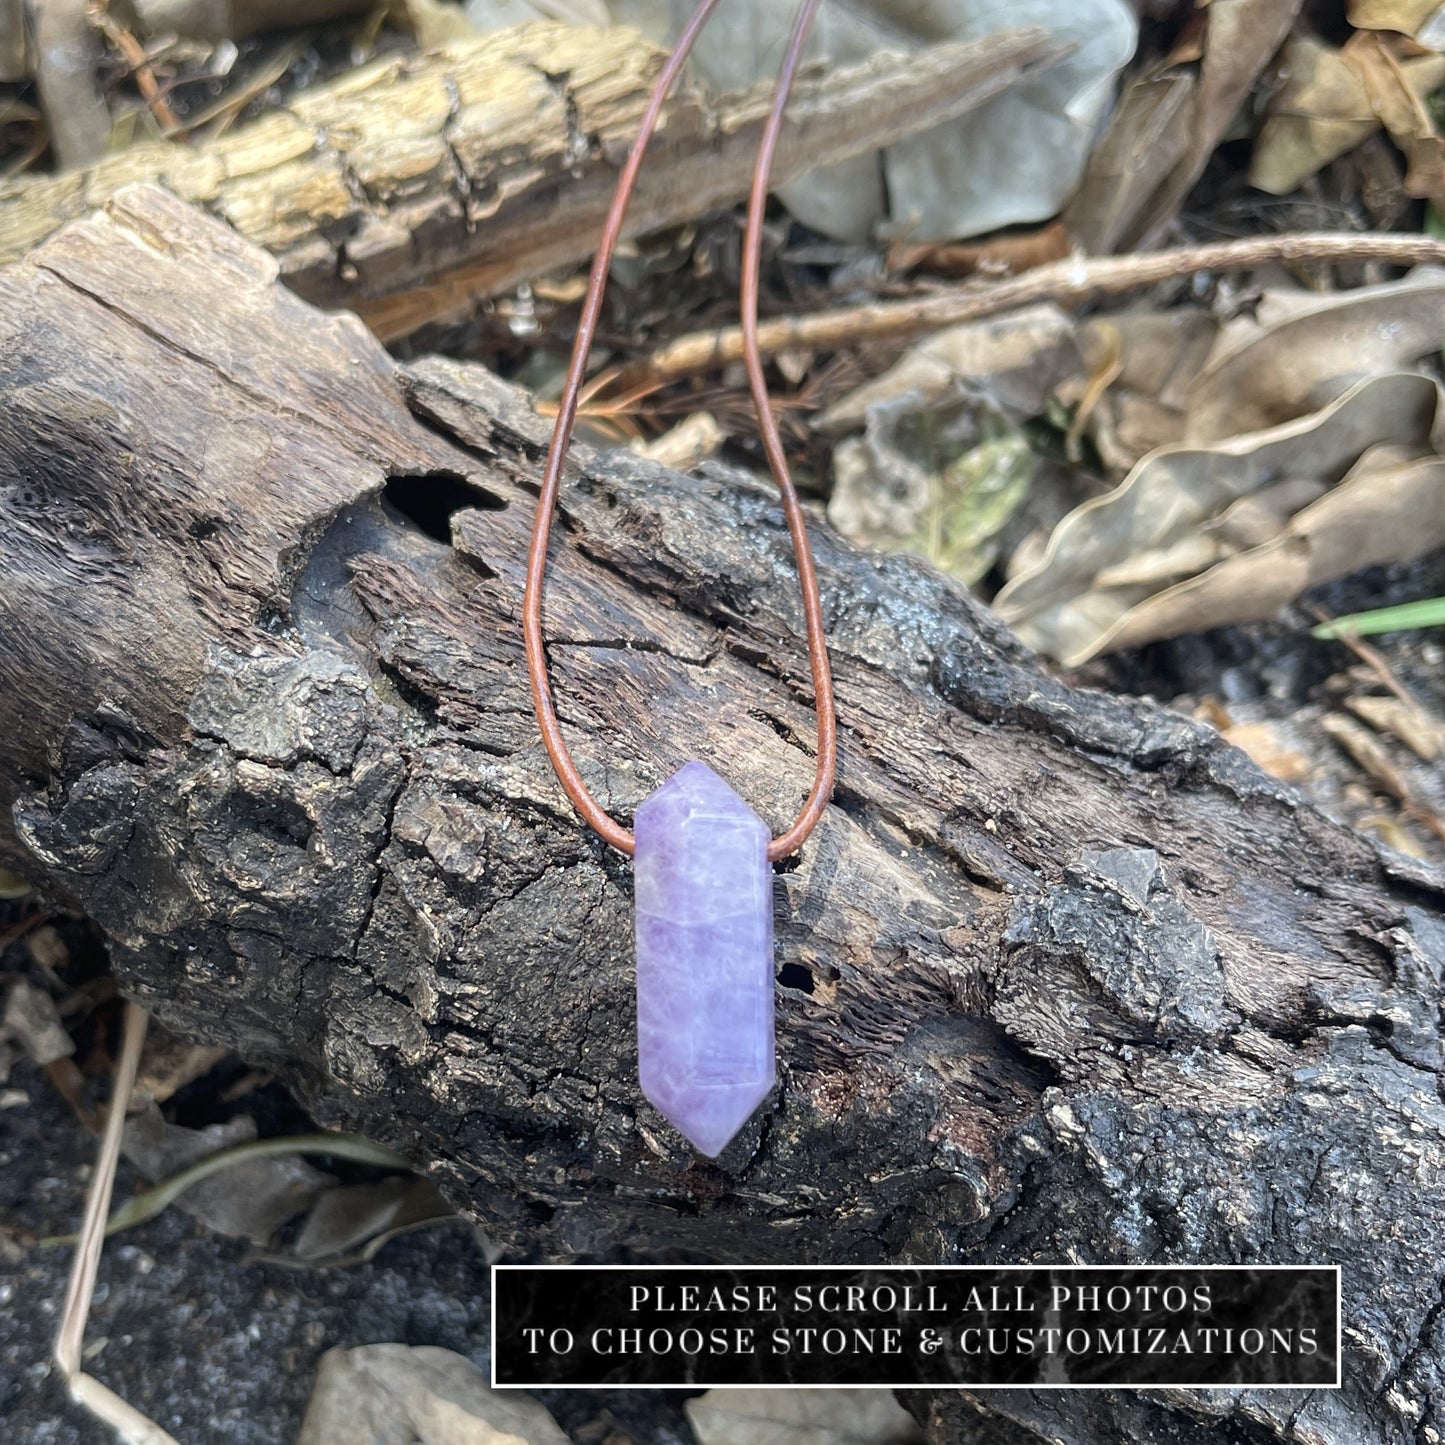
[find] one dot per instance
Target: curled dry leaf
(941, 465)
(1154, 355)
(1319, 112)
(1397, 85)
(1170, 123)
(421, 1394)
(1147, 137)
(1422, 20)
(1392, 505)
(1012, 362)
(801, 1417)
(250, 1201)
(1307, 350)
(1332, 99)
(1390, 508)
(354, 1220)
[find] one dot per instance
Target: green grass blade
(1430, 613)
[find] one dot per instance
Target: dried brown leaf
(1334, 99)
(251, 1200)
(1421, 19)
(1383, 512)
(1160, 354)
(1319, 112)
(1013, 361)
(1396, 88)
(1252, 521)
(1310, 349)
(1174, 495)
(1405, 718)
(1005, 255)
(1148, 135)
(1164, 132)
(344, 1219)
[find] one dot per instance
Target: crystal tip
(709, 1118)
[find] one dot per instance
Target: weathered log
(1061, 976)
(409, 188)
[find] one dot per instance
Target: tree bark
(411, 188)
(1061, 976)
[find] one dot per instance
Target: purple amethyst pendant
(704, 907)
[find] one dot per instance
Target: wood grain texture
(411, 187)
(1061, 977)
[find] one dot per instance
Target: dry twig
(1372, 658)
(133, 1427)
(1369, 754)
(134, 54)
(1068, 282)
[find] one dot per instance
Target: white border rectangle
(931, 1385)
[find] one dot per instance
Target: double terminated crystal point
(704, 956)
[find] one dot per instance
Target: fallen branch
(408, 189)
(1069, 283)
(1061, 976)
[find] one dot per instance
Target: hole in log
(794, 975)
(431, 499)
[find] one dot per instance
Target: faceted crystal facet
(704, 956)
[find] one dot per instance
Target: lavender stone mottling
(704, 956)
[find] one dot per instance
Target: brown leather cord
(591, 810)
(817, 800)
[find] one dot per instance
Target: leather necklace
(703, 884)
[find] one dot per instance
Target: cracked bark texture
(1061, 976)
